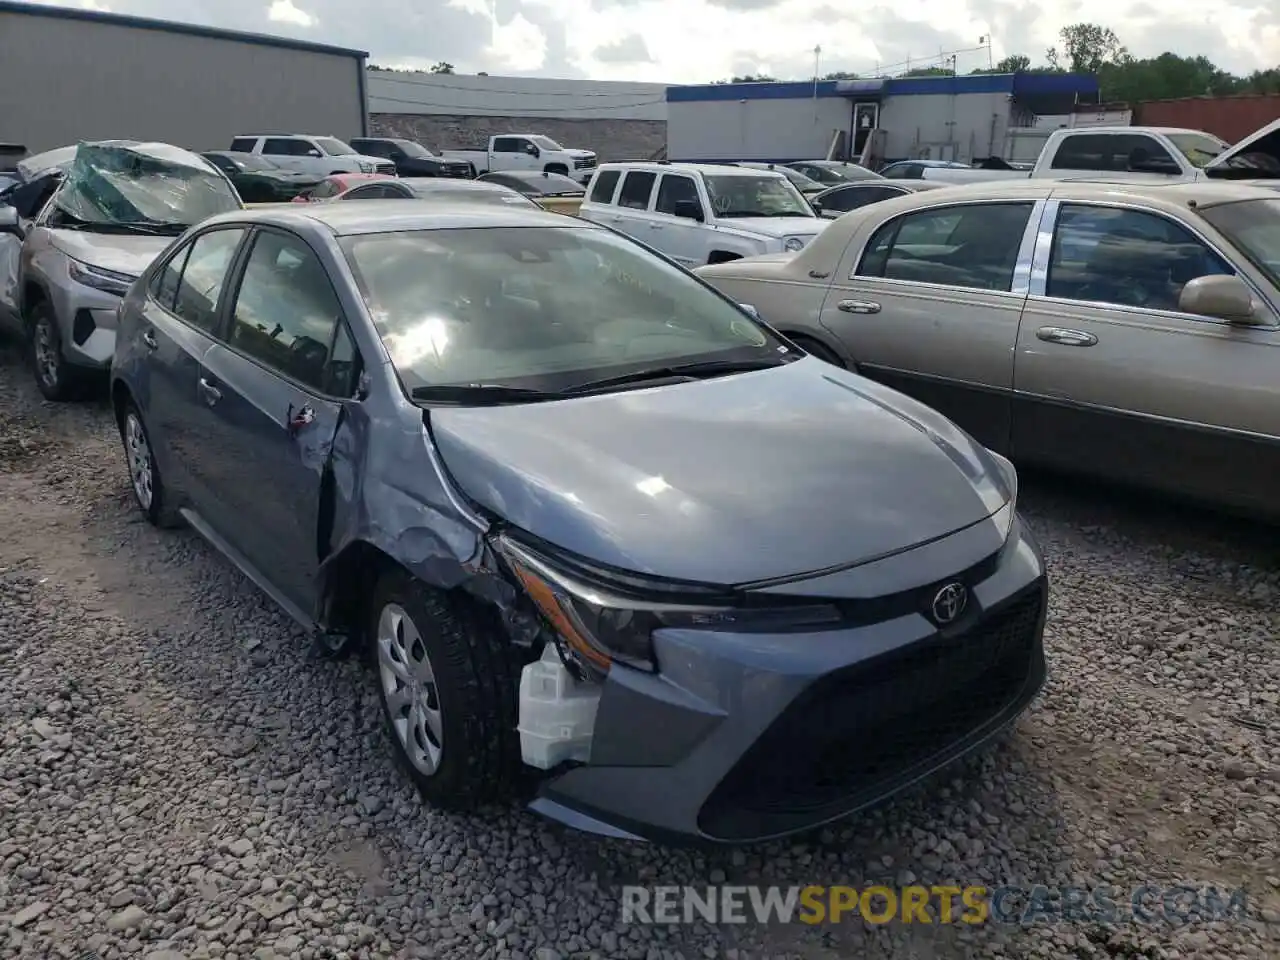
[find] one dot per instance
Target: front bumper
(87, 324)
(747, 737)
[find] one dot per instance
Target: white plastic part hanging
(557, 713)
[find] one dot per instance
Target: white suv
(311, 154)
(701, 213)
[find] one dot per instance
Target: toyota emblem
(949, 603)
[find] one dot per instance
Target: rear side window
(974, 246)
(200, 287)
(843, 201)
(673, 189)
(506, 145)
(1114, 153)
(244, 144)
(602, 189)
(286, 310)
(286, 147)
(637, 187)
(164, 285)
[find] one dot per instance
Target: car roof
(711, 169)
(450, 185)
(389, 216)
(1202, 193)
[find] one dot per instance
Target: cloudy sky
(696, 41)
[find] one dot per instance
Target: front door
(682, 239)
(930, 306)
(866, 119)
(1111, 376)
(274, 414)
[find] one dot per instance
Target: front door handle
(655, 226)
(858, 306)
(1066, 337)
(819, 274)
(210, 393)
(149, 340)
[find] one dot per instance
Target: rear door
(928, 302)
(276, 387)
(179, 321)
(1112, 378)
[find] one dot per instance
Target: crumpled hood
(121, 254)
(741, 478)
(776, 226)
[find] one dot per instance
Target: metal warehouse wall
(69, 78)
(755, 129)
(617, 120)
(946, 127)
(1231, 118)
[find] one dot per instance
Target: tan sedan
(1125, 330)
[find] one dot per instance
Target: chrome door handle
(1068, 338)
(819, 274)
(858, 306)
(655, 226)
(210, 393)
(149, 340)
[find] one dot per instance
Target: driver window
(674, 189)
(1129, 258)
(974, 246)
(285, 309)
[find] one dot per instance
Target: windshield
(1253, 227)
(148, 188)
(497, 196)
(334, 147)
(1198, 148)
(763, 196)
(540, 307)
(251, 162)
(546, 143)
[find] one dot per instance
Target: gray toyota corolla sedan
(608, 541)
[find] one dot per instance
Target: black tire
(475, 686)
(57, 379)
(157, 507)
(814, 348)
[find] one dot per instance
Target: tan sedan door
(928, 302)
(1112, 378)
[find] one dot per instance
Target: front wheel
(57, 379)
(448, 688)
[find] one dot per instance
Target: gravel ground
(179, 778)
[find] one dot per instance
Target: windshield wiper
(476, 394)
(688, 371)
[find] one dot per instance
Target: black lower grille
(861, 732)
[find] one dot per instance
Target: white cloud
(518, 45)
(94, 5)
(284, 11)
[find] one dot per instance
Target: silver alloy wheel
(409, 688)
(139, 451)
(48, 362)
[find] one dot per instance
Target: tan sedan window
(974, 246)
(1125, 257)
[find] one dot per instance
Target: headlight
(792, 244)
(108, 281)
(599, 627)
(366, 166)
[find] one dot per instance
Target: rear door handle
(149, 340)
(858, 306)
(210, 393)
(1066, 337)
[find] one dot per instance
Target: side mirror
(1225, 298)
(749, 308)
(532, 150)
(688, 210)
(313, 152)
(9, 223)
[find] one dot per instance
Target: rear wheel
(57, 379)
(448, 688)
(144, 475)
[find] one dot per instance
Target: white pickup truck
(528, 151)
(1138, 153)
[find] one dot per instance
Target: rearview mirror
(9, 222)
(1225, 298)
(688, 210)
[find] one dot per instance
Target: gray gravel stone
(165, 794)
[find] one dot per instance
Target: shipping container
(1231, 118)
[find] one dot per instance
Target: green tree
(1015, 63)
(1086, 47)
(442, 67)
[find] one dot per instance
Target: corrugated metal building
(1231, 118)
(72, 75)
(878, 120)
(617, 120)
